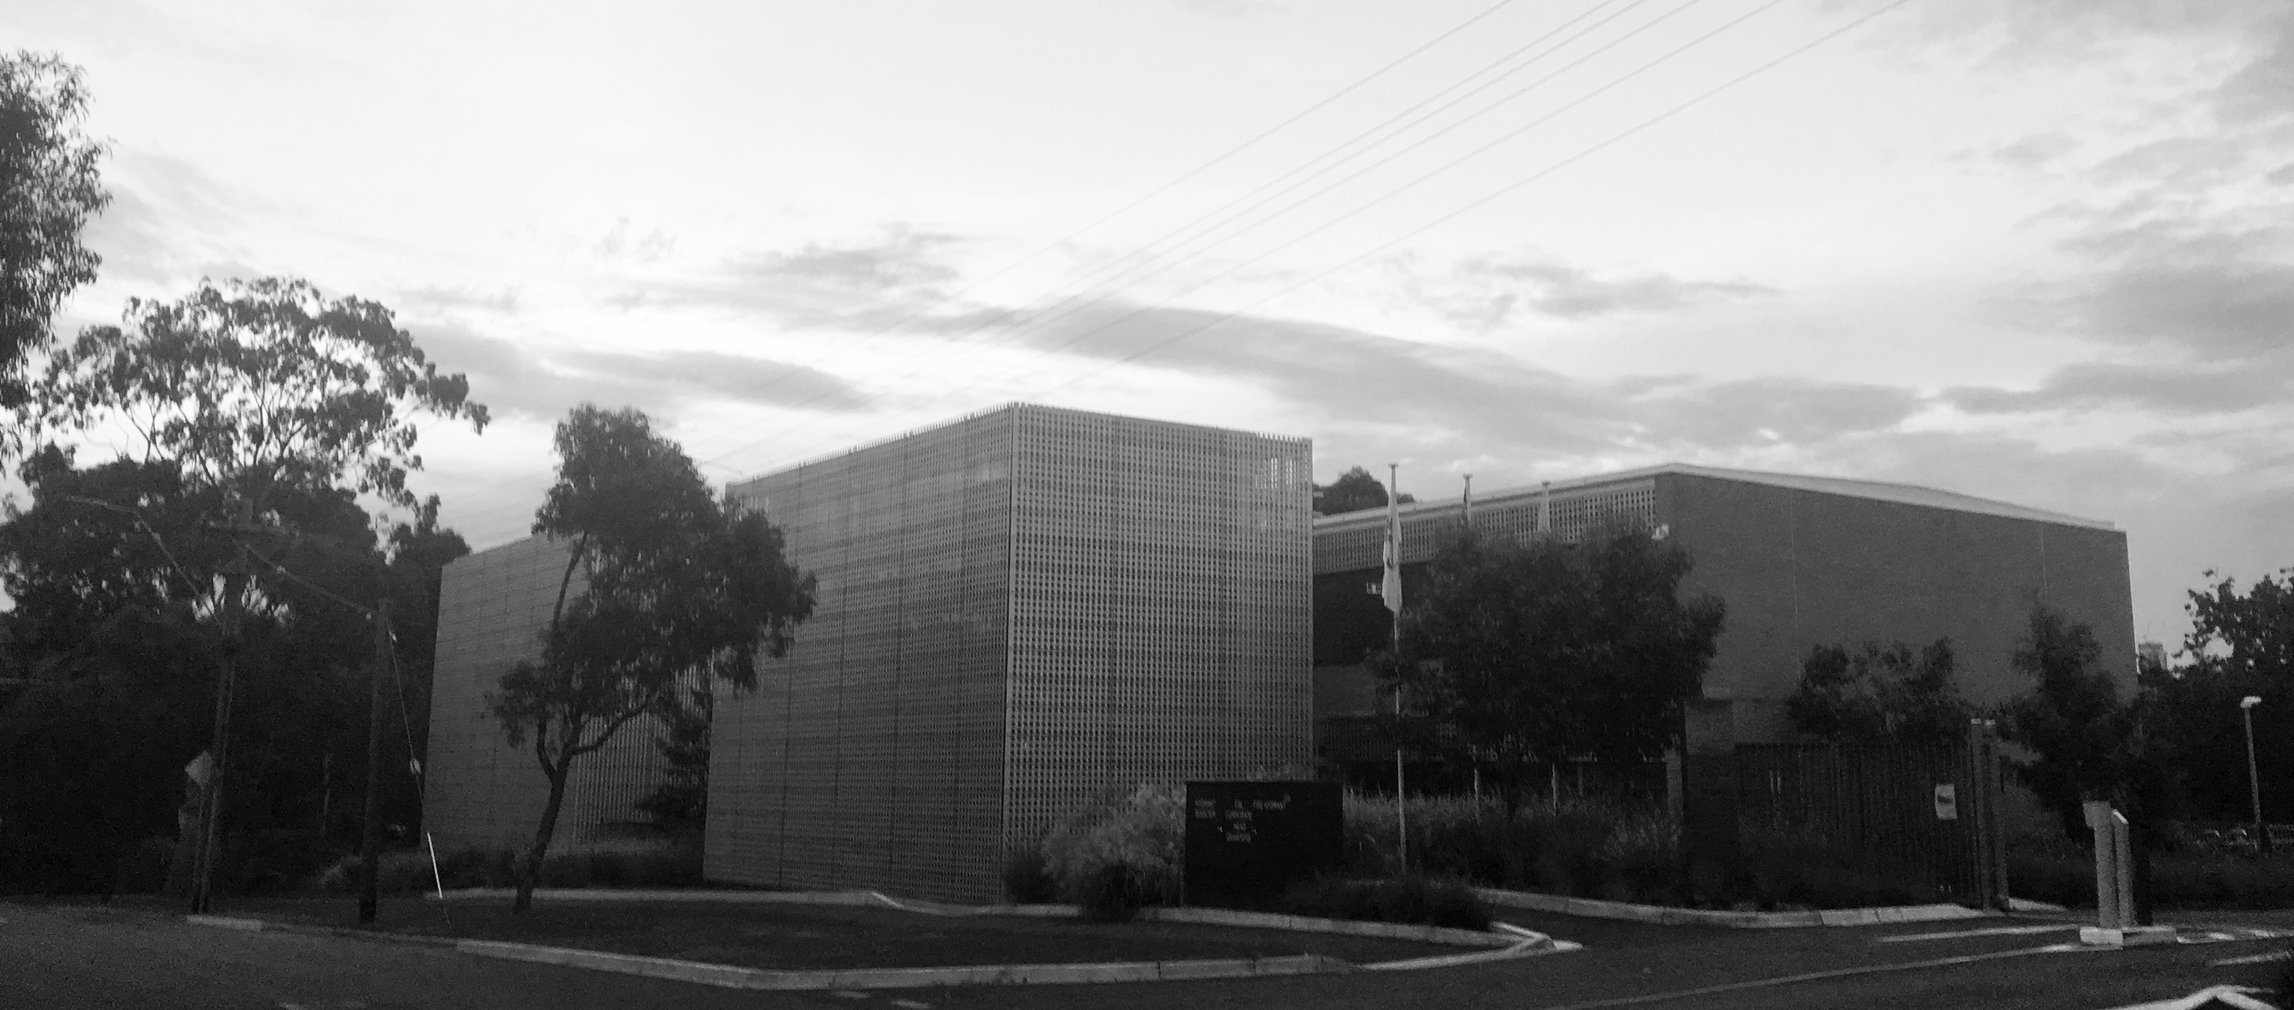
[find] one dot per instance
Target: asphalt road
(77, 957)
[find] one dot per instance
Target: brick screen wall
(480, 792)
(1016, 612)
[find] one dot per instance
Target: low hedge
(624, 863)
(1417, 899)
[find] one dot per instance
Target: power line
(1120, 270)
(1388, 159)
(1508, 189)
(1383, 197)
(1221, 158)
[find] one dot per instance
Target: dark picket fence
(1929, 810)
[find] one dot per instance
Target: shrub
(1785, 867)
(2285, 986)
(623, 863)
(1121, 853)
(1026, 881)
(1416, 899)
(1584, 847)
(143, 869)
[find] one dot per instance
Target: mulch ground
(812, 936)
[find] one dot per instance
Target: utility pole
(227, 615)
(2253, 777)
(1391, 588)
(370, 832)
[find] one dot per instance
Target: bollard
(2114, 885)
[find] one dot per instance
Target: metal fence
(1928, 811)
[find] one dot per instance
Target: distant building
(1016, 612)
(1801, 561)
(2152, 654)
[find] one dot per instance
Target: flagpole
(1393, 593)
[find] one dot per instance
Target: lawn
(788, 936)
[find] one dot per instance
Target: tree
(49, 187)
(680, 804)
(258, 386)
(1880, 695)
(2085, 740)
(675, 586)
(1520, 653)
(1353, 491)
(2241, 643)
(2253, 632)
(256, 396)
(119, 661)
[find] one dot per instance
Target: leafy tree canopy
(675, 587)
(115, 663)
(1880, 695)
(1353, 491)
(2251, 632)
(49, 187)
(1550, 651)
(257, 386)
(2072, 718)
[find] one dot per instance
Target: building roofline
(1873, 490)
(1008, 405)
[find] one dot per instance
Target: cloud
(168, 219)
(1483, 292)
(432, 301)
(867, 284)
(1766, 411)
(546, 383)
(1229, 8)
(620, 243)
(2262, 90)
(1465, 395)
(2166, 389)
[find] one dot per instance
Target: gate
(1933, 810)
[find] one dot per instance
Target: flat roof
(1906, 494)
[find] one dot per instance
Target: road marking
(909, 1004)
(848, 993)
(1993, 931)
(1872, 969)
(2221, 995)
(2276, 955)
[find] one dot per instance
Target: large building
(1800, 561)
(1015, 613)
(480, 792)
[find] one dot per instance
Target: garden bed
(790, 936)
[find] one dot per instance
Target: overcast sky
(2035, 250)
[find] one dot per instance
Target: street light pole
(2253, 777)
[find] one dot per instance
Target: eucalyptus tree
(674, 587)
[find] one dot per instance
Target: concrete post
(2114, 885)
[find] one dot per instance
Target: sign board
(1248, 841)
(1947, 802)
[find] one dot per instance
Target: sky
(2034, 250)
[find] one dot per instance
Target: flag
(1390, 589)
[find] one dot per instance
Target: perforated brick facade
(479, 792)
(1015, 612)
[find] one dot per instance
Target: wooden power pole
(370, 830)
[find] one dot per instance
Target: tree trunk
(530, 868)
